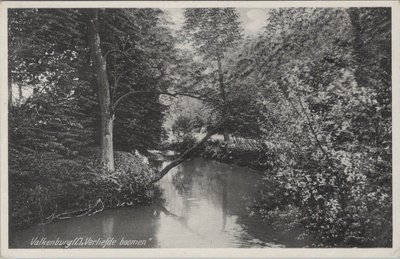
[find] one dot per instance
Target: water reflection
(211, 198)
(204, 204)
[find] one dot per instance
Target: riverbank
(295, 186)
(237, 154)
(245, 153)
(204, 205)
(44, 187)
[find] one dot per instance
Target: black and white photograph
(199, 127)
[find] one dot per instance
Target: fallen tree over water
(186, 154)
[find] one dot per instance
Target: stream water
(204, 204)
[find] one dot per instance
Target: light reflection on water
(204, 205)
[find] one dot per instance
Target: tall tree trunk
(19, 92)
(9, 90)
(100, 70)
(358, 45)
(223, 96)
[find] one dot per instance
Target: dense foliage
(333, 107)
(213, 31)
(59, 118)
(314, 89)
(307, 100)
(46, 187)
(54, 60)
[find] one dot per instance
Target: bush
(182, 125)
(43, 185)
(341, 202)
(184, 144)
(337, 206)
(258, 156)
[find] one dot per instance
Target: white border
(199, 253)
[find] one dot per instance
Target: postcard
(204, 129)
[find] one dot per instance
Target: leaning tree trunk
(100, 70)
(223, 96)
(186, 155)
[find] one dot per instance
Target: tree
(101, 73)
(129, 52)
(318, 73)
(140, 52)
(139, 58)
(213, 31)
(47, 63)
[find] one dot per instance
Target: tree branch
(124, 54)
(315, 134)
(118, 78)
(310, 126)
(186, 154)
(122, 97)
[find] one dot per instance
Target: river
(204, 204)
